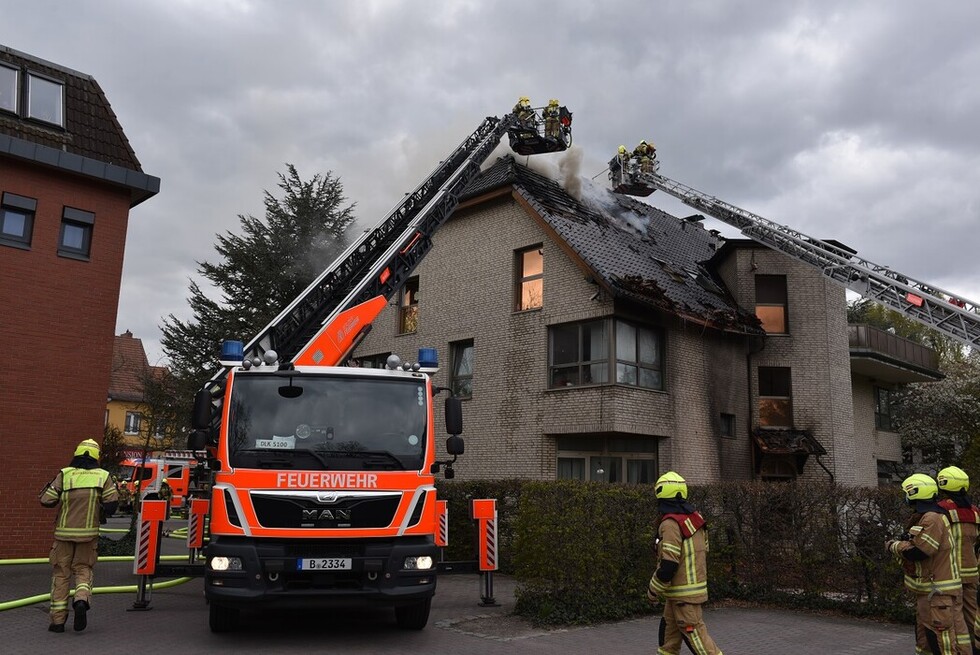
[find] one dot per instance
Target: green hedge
(583, 552)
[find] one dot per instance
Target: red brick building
(68, 178)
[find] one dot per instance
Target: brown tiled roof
(638, 252)
(91, 128)
(129, 365)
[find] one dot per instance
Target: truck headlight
(226, 563)
(420, 563)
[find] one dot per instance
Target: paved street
(178, 624)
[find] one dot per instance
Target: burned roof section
(640, 253)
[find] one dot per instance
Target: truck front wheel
(222, 619)
(413, 617)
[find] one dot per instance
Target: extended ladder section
(382, 259)
(946, 312)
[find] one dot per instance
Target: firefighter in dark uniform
(681, 578)
(963, 519)
(929, 560)
(82, 489)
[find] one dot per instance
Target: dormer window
(8, 88)
(45, 100)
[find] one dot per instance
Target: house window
(775, 397)
(8, 88)
(530, 278)
(45, 100)
(372, 361)
(75, 239)
(461, 360)
(638, 356)
(408, 307)
(727, 425)
(883, 411)
(580, 354)
(132, 423)
(607, 459)
(16, 220)
(770, 303)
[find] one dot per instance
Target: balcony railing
(866, 337)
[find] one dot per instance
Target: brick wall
(57, 329)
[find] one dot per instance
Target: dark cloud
(850, 120)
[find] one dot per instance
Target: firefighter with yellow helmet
(551, 115)
(681, 577)
(82, 488)
(964, 518)
(931, 572)
(645, 154)
(523, 111)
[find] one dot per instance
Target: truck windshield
(317, 422)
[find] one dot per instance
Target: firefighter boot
(81, 610)
(56, 627)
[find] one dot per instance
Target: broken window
(530, 278)
(770, 303)
(408, 307)
(775, 397)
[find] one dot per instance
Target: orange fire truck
(322, 475)
(147, 475)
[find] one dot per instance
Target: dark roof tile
(91, 128)
(641, 252)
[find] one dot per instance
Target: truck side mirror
(201, 416)
(454, 446)
(197, 440)
(454, 416)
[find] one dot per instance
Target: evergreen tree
(261, 271)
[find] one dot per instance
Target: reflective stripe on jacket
(81, 493)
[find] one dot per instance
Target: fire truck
(943, 311)
(322, 475)
(148, 474)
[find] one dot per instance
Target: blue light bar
(428, 358)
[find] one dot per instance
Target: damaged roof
(638, 252)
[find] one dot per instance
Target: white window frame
(35, 82)
(131, 418)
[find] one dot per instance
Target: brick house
(68, 178)
(607, 340)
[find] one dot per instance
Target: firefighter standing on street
(681, 577)
(963, 519)
(82, 488)
(931, 573)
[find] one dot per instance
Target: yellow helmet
(953, 479)
(553, 102)
(670, 485)
(524, 99)
(920, 486)
(622, 150)
(88, 447)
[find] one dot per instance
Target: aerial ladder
(378, 263)
(943, 311)
(322, 475)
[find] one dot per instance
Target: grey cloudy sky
(850, 119)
